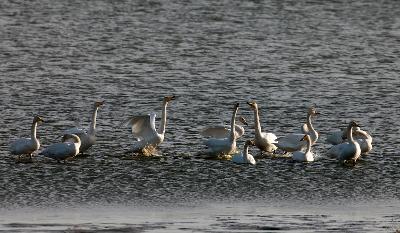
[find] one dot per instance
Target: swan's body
(263, 141)
(362, 137)
(224, 146)
(244, 157)
(224, 131)
(306, 156)
(26, 146)
(348, 150)
(64, 150)
(88, 138)
(293, 142)
(144, 130)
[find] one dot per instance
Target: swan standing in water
(264, 141)
(63, 150)
(224, 146)
(304, 156)
(245, 157)
(363, 138)
(223, 131)
(347, 151)
(88, 138)
(292, 142)
(144, 130)
(26, 146)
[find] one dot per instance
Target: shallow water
(58, 57)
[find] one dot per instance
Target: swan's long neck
(33, 130)
(246, 152)
(313, 133)
(365, 134)
(233, 135)
(163, 123)
(308, 146)
(257, 125)
(92, 126)
(350, 135)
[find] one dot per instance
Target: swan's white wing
(335, 137)
(291, 142)
(216, 132)
(271, 138)
(304, 129)
(22, 146)
(142, 126)
(59, 151)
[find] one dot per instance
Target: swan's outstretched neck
(309, 125)
(308, 146)
(350, 134)
(233, 132)
(92, 126)
(33, 130)
(257, 125)
(163, 123)
(246, 152)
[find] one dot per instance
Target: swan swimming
(88, 138)
(264, 141)
(224, 131)
(292, 142)
(63, 150)
(26, 146)
(306, 156)
(245, 157)
(363, 138)
(224, 146)
(144, 130)
(347, 151)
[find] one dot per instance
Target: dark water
(58, 57)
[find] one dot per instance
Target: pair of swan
(145, 132)
(294, 142)
(363, 138)
(27, 146)
(347, 151)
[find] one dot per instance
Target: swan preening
(306, 156)
(245, 157)
(63, 150)
(347, 151)
(144, 130)
(26, 146)
(293, 142)
(224, 146)
(88, 138)
(224, 131)
(264, 141)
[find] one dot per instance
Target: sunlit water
(58, 57)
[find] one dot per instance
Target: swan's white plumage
(335, 137)
(64, 150)
(26, 146)
(224, 131)
(348, 150)
(87, 137)
(306, 156)
(364, 139)
(244, 156)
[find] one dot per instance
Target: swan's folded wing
(216, 132)
(271, 138)
(335, 137)
(142, 126)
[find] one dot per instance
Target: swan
(264, 141)
(292, 142)
(348, 150)
(304, 156)
(365, 141)
(336, 137)
(224, 131)
(26, 146)
(63, 150)
(144, 130)
(224, 146)
(245, 157)
(88, 138)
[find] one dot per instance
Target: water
(58, 57)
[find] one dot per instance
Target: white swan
(347, 151)
(245, 157)
(224, 131)
(26, 146)
(365, 141)
(336, 137)
(224, 146)
(304, 156)
(88, 138)
(292, 142)
(144, 130)
(64, 150)
(264, 141)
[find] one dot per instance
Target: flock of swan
(347, 145)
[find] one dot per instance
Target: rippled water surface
(58, 57)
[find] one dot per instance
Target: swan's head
(243, 121)
(236, 106)
(169, 98)
(312, 111)
(73, 137)
(250, 143)
(252, 104)
(38, 119)
(98, 104)
(354, 124)
(306, 138)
